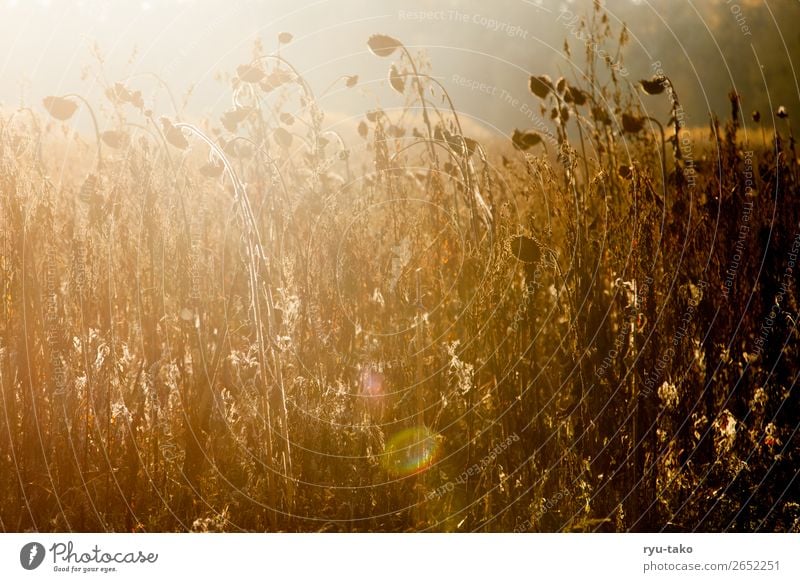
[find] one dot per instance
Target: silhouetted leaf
(575, 96)
(287, 118)
(351, 81)
(212, 169)
(60, 107)
(250, 73)
(282, 137)
(541, 86)
(118, 93)
(89, 189)
(173, 135)
(231, 119)
(236, 149)
(382, 45)
(625, 172)
(397, 82)
(363, 129)
(525, 140)
(471, 145)
(285, 37)
(275, 79)
(601, 115)
(229, 147)
(136, 100)
(114, 139)
(453, 141)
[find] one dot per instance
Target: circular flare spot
(411, 451)
(372, 383)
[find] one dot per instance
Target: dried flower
(654, 86)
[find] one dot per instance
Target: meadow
(261, 322)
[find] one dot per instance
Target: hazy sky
(705, 46)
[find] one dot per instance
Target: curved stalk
(164, 86)
(257, 257)
(421, 94)
(663, 155)
(94, 123)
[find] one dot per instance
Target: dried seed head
(654, 86)
(115, 139)
(632, 124)
(60, 107)
(382, 45)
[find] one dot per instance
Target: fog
(706, 48)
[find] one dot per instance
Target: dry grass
(250, 324)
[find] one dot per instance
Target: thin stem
(421, 94)
(163, 84)
(94, 123)
(663, 155)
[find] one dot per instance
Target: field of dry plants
(260, 323)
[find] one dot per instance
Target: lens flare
(372, 383)
(411, 451)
